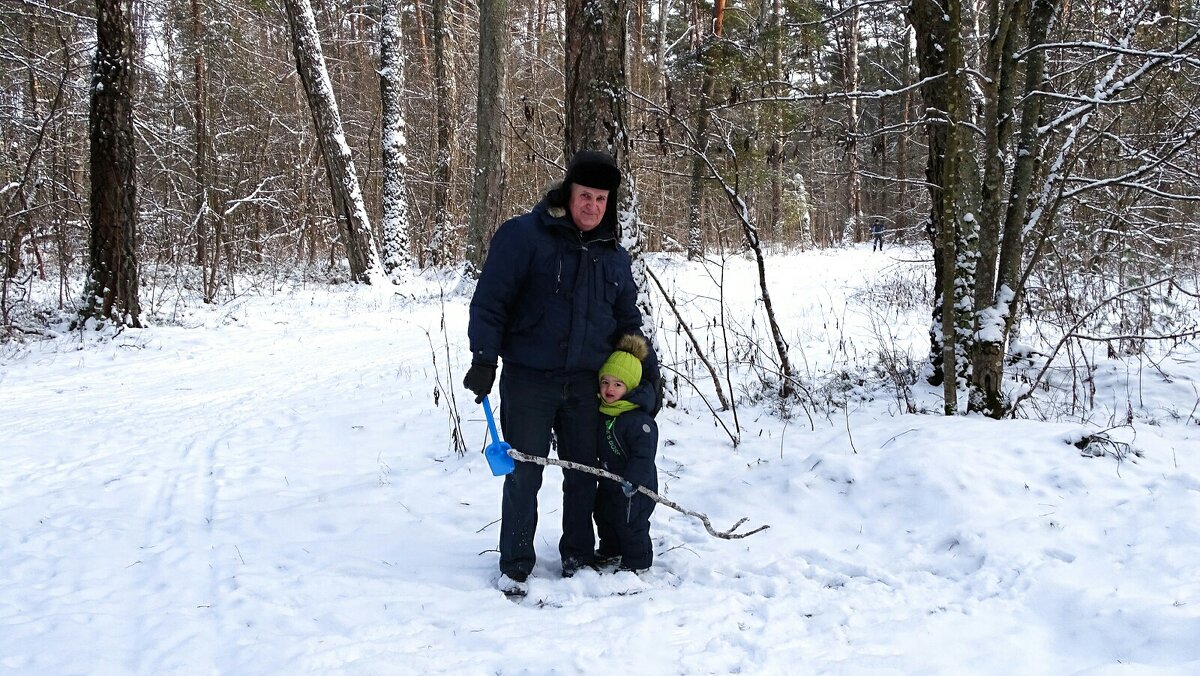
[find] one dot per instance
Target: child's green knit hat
(626, 363)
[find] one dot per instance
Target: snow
(268, 486)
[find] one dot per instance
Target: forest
(1043, 150)
(239, 240)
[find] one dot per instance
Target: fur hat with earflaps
(625, 364)
(594, 169)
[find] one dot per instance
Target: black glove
(479, 380)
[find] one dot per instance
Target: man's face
(587, 206)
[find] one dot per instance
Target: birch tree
(397, 256)
(852, 229)
(343, 179)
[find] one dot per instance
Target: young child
(628, 443)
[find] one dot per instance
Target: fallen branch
(727, 535)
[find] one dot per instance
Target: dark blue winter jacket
(630, 442)
(551, 297)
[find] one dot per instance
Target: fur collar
(556, 199)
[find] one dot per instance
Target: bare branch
(692, 337)
(1072, 333)
(725, 535)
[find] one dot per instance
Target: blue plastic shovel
(497, 451)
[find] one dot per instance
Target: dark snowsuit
(551, 300)
(628, 445)
(877, 235)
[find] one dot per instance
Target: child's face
(611, 389)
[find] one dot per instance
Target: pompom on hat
(625, 364)
(594, 169)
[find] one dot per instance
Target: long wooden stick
(604, 474)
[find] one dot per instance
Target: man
(877, 234)
(555, 293)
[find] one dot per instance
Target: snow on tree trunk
(397, 254)
(853, 230)
(933, 33)
(112, 285)
(804, 217)
(343, 179)
(1003, 211)
(595, 119)
(960, 203)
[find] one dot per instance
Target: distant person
(877, 234)
(555, 293)
(628, 444)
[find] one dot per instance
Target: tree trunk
(660, 43)
(961, 209)
(853, 228)
(112, 285)
(595, 116)
(200, 139)
(422, 38)
(487, 194)
(903, 203)
(707, 35)
(595, 77)
(397, 255)
(949, 167)
(931, 33)
(442, 243)
(998, 88)
(775, 155)
(339, 165)
(1002, 237)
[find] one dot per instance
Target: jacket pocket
(609, 278)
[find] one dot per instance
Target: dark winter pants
(878, 243)
(532, 404)
(623, 524)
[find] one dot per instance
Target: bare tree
(397, 255)
(112, 287)
(343, 179)
(442, 242)
(200, 137)
(852, 228)
(951, 218)
(491, 179)
(1021, 141)
(706, 38)
(596, 83)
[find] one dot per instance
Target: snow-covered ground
(269, 486)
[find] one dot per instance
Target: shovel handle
(487, 410)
